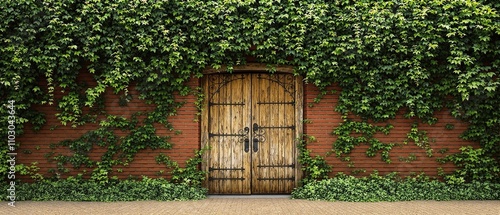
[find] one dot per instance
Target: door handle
(255, 128)
(247, 145)
(247, 141)
(255, 145)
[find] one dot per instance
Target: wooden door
(250, 125)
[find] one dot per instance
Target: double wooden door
(250, 126)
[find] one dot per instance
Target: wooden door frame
(251, 68)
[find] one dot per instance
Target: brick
(322, 117)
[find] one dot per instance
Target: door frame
(255, 68)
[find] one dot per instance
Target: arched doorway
(251, 122)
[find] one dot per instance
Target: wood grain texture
(235, 102)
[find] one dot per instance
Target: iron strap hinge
(276, 103)
(224, 179)
(283, 166)
(277, 127)
(276, 179)
(212, 169)
(226, 135)
(224, 103)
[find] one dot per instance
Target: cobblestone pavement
(267, 205)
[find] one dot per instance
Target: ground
(266, 205)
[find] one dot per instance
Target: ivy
(118, 150)
(315, 168)
(78, 189)
(200, 97)
(31, 170)
(420, 138)
(352, 133)
(473, 166)
(189, 175)
(391, 187)
(387, 56)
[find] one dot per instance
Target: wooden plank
(216, 128)
(225, 148)
(299, 107)
(204, 133)
(290, 146)
(228, 153)
(284, 137)
(259, 94)
(264, 148)
(246, 122)
(276, 144)
(236, 121)
(234, 126)
(255, 114)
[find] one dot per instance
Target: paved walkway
(266, 205)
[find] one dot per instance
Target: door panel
(229, 164)
(273, 102)
(250, 129)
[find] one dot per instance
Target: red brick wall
(35, 145)
(321, 117)
(184, 143)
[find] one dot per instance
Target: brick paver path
(254, 205)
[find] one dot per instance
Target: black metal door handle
(247, 145)
(255, 128)
(247, 141)
(255, 145)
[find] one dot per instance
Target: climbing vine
(352, 133)
(420, 139)
(314, 167)
(386, 55)
(189, 175)
(119, 151)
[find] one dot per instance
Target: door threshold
(251, 196)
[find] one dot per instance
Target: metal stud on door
(250, 121)
(226, 131)
(273, 127)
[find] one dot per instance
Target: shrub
(73, 189)
(377, 188)
(474, 165)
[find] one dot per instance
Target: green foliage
(474, 165)
(191, 174)
(412, 157)
(392, 188)
(31, 170)
(118, 150)
(352, 133)
(314, 168)
(420, 139)
(4, 165)
(200, 97)
(386, 55)
(77, 189)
